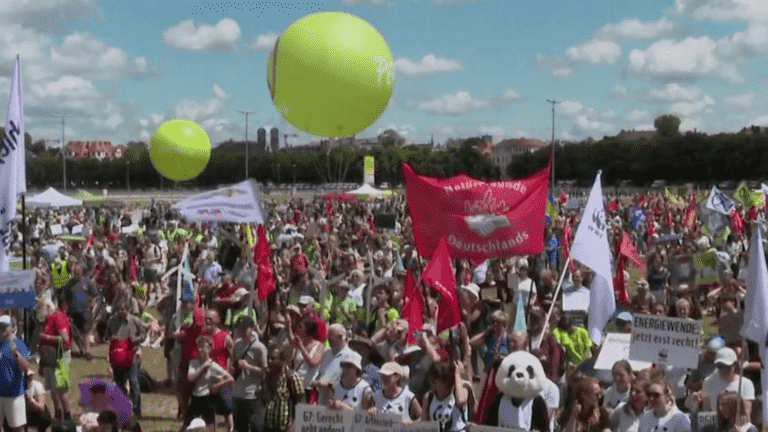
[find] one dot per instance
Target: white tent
(52, 198)
(368, 190)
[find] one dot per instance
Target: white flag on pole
(719, 202)
(238, 203)
(13, 177)
(590, 247)
(755, 326)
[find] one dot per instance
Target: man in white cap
(13, 368)
(727, 379)
(329, 371)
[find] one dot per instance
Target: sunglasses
(654, 394)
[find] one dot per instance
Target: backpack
(120, 352)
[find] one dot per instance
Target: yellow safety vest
(59, 279)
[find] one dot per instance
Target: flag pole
(554, 301)
(24, 259)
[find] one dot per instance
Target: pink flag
(265, 280)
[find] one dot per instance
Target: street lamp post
(553, 102)
(294, 174)
(128, 176)
(278, 174)
(246, 140)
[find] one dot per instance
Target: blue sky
(117, 69)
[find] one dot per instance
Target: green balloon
(180, 149)
(331, 74)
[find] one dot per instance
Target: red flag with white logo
(439, 276)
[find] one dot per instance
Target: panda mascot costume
(520, 379)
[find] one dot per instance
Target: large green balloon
(331, 74)
(180, 149)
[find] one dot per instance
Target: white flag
(755, 326)
(590, 247)
(238, 203)
(719, 202)
(13, 177)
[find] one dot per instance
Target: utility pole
(552, 182)
(246, 140)
(285, 137)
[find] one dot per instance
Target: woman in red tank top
(222, 352)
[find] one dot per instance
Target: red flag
(567, 239)
(650, 230)
(669, 217)
(752, 213)
(619, 287)
(737, 223)
(134, 271)
(613, 206)
(329, 211)
(627, 249)
(413, 309)
(479, 219)
(487, 397)
(563, 197)
(690, 213)
(90, 240)
(265, 280)
(439, 276)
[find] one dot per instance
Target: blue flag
(638, 217)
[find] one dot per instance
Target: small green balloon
(180, 149)
(331, 74)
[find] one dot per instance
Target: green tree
(667, 125)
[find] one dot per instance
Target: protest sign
(77, 230)
(381, 422)
(706, 421)
(483, 428)
(56, 229)
(615, 348)
(681, 269)
(321, 419)
(664, 340)
(430, 426)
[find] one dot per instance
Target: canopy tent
(52, 198)
(368, 190)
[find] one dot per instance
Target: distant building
(99, 150)
(634, 135)
(755, 130)
(261, 139)
(274, 139)
(505, 151)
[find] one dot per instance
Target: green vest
(59, 279)
(234, 314)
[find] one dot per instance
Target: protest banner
(664, 340)
(430, 426)
(483, 428)
(322, 419)
(705, 421)
(77, 230)
(615, 348)
(381, 422)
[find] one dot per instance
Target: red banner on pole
(479, 219)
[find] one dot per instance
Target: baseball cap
(5, 320)
(196, 424)
(725, 356)
(624, 316)
(240, 293)
(391, 368)
(715, 344)
(354, 359)
(305, 300)
(472, 288)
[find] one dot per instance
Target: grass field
(158, 409)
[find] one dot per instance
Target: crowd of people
(331, 333)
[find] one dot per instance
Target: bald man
(329, 371)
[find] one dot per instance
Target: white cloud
(427, 66)
(201, 112)
(595, 52)
(744, 100)
(453, 2)
(500, 132)
(689, 59)
(618, 92)
(637, 115)
(66, 87)
(47, 15)
(724, 10)
(676, 93)
(15, 39)
(561, 73)
(752, 42)
(587, 124)
(196, 36)
(264, 42)
(453, 104)
(569, 108)
(631, 28)
(690, 108)
(760, 121)
(83, 55)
